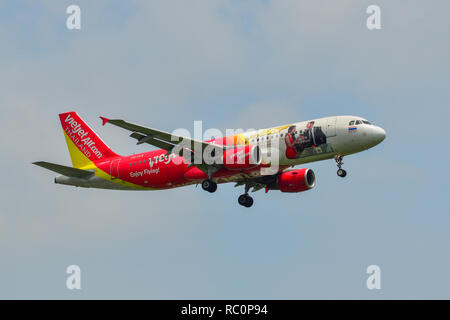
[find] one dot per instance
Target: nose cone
(378, 134)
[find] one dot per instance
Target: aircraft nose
(378, 134)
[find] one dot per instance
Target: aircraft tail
(84, 145)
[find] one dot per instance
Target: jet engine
(296, 180)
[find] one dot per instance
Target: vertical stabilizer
(84, 145)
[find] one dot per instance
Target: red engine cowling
(242, 158)
(297, 180)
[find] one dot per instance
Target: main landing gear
(244, 199)
(341, 172)
(209, 185)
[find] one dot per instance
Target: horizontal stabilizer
(64, 170)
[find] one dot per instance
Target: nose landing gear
(341, 172)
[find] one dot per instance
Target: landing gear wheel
(209, 185)
(249, 202)
(213, 187)
(341, 173)
(245, 200)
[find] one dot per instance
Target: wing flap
(150, 140)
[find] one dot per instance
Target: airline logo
(162, 158)
(352, 129)
(80, 137)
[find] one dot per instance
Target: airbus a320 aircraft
(239, 158)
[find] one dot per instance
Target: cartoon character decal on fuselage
(305, 142)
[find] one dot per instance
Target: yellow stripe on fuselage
(80, 161)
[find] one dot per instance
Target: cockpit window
(358, 122)
(366, 122)
(351, 123)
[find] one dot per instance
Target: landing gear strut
(209, 185)
(244, 199)
(341, 172)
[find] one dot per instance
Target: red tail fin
(83, 143)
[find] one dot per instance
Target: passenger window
(144, 161)
(351, 123)
(135, 163)
(131, 163)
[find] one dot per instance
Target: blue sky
(232, 65)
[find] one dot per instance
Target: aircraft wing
(162, 139)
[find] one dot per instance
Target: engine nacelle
(297, 180)
(242, 158)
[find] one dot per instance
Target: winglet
(104, 120)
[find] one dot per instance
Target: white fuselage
(341, 138)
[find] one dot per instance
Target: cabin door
(114, 169)
(330, 129)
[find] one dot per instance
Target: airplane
(258, 159)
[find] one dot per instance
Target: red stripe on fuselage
(149, 169)
(155, 170)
